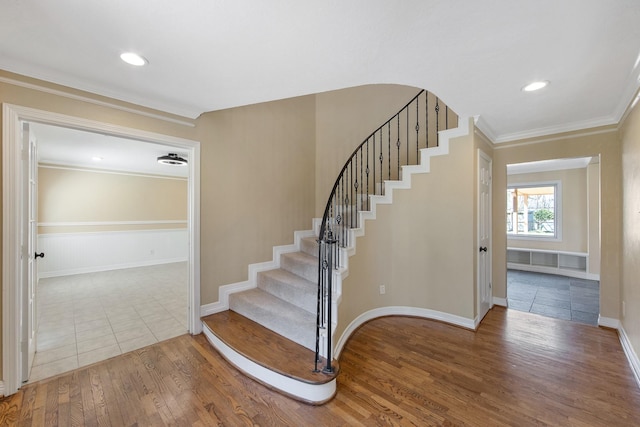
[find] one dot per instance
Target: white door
(484, 234)
(29, 276)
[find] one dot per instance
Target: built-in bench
(572, 264)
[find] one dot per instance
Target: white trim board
(109, 223)
(12, 116)
(608, 322)
(311, 393)
(224, 291)
(632, 356)
(500, 301)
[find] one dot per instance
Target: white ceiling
(76, 148)
(210, 55)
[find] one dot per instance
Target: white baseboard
(502, 302)
(632, 356)
(401, 311)
(1, 388)
(608, 322)
(97, 269)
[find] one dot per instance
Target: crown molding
(42, 88)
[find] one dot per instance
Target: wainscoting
(76, 253)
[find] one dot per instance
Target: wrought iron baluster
(375, 189)
(398, 147)
(388, 151)
(417, 131)
(350, 195)
(426, 109)
(446, 117)
(437, 122)
(368, 198)
(381, 160)
(361, 181)
(345, 202)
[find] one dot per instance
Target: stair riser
(304, 298)
(306, 270)
(309, 246)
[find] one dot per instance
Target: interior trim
(630, 353)
(608, 322)
(104, 223)
(11, 172)
(56, 92)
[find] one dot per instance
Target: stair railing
(378, 158)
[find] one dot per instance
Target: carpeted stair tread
(284, 318)
(300, 263)
(290, 288)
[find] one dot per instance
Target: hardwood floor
(517, 369)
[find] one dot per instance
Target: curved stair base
(269, 358)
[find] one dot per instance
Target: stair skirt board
(401, 311)
(315, 394)
(224, 291)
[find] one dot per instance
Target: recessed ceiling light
(535, 86)
(133, 59)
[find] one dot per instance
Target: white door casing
(29, 276)
(13, 198)
(485, 294)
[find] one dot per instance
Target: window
(533, 210)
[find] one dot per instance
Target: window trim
(557, 214)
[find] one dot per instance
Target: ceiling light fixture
(535, 86)
(172, 159)
(133, 59)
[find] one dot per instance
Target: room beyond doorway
(14, 167)
(554, 296)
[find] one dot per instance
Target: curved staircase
(271, 322)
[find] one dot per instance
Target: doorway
(13, 169)
(553, 238)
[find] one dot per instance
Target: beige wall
(601, 142)
(344, 119)
(72, 195)
(257, 181)
(421, 247)
(630, 137)
(574, 208)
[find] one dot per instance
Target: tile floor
(554, 296)
(90, 317)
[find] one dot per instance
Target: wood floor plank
(516, 369)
